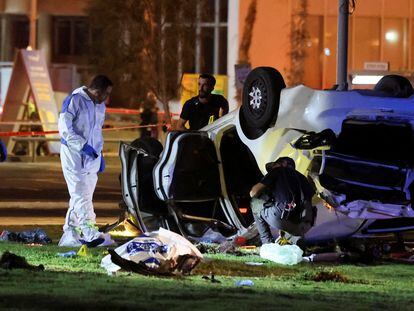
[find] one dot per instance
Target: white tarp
(153, 249)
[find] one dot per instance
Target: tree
(142, 45)
(246, 41)
(299, 37)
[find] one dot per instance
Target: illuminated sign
(377, 66)
(189, 86)
(30, 76)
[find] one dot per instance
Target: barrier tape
(19, 134)
(26, 123)
(43, 133)
(122, 111)
(132, 111)
(108, 110)
(30, 123)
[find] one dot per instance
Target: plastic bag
(30, 236)
(241, 283)
(285, 255)
(211, 236)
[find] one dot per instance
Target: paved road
(36, 193)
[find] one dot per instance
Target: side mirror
(312, 140)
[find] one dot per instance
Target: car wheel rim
(257, 98)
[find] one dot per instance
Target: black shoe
(93, 243)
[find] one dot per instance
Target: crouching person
(283, 200)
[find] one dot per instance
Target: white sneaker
(70, 238)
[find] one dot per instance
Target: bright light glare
(125, 229)
(391, 36)
(328, 206)
(364, 79)
(327, 51)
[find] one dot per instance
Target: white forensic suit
(80, 128)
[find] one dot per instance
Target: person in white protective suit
(80, 128)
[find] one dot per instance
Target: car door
(137, 163)
(187, 177)
(188, 169)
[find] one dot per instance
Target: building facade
(379, 31)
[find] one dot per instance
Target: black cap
(289, 161)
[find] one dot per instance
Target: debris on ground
(247, 283)
(229, 247)
(402, 257)
(240, 241)
(250, 250)
(211, 278)
(36, 236)
(212, 236)
(162, 253)
(282, 254)
(355, 251)
(338, 257)
(69, 254)
(208, 248)
(11, 261)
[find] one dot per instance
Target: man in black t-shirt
(204, 108)
(289, 202)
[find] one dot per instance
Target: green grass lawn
(80, 283)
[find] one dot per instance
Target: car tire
(395, 86)
(150, 145)
(248, 131)
(261, 96)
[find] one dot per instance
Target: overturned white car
(356, 147)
